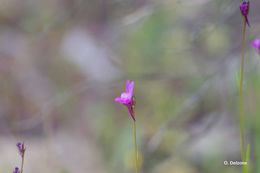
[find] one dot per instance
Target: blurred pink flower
(256, 44)
(16, 170)
(244, 8)
(127, 98)
(21, 148)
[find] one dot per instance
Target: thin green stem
(241, 96)
(245, 168)
(136, 151)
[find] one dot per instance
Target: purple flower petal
(122, 101)
(130, 87)
(256, 43)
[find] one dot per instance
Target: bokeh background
(62, 63)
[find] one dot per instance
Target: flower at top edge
(244, 8)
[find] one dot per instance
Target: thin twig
(136, 151)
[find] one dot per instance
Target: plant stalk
(244, 156)
(135, 144)
(241, 96)
(22, 163)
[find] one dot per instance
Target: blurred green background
(62, 63)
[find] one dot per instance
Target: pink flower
(244, 8)
(21, 148)
(127, 98)
(256, 44)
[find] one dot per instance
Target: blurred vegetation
(63, 62)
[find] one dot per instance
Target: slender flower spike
(127, 98)
(16, 170)
(256, 44)
(244, 8)
(21, 148)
